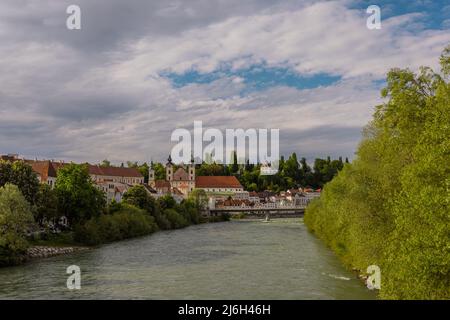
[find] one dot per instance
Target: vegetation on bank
(15, 218)
(28, 207)
(390, 206)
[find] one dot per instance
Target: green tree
(139, 197)
(22, 175)
(105, 163)
(167, 202)
(389, 207)
(15, 220)
(78, 198)
(199, 198)
(46, 204)
(160, 171)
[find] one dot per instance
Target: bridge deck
(259, 209)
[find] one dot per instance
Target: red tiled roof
(217, 182)
(48, 168)
(162, 184)
(44, 168)
(114, 171)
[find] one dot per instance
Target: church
(181, 180)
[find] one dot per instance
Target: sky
(137, 70)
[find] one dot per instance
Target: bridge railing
(271, 206)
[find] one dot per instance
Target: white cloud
(82, 98)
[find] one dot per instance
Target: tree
(306, 173)
(139, 197)
(46, 204)
(105, 163)
(78, 198)
(15, 211)
(405, 152)
(15, 220)
(167, 202)
(199, 198)
(22, 175)
(291, 171)
(234, 167)
(160, 171)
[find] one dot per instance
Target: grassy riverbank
(390, 206)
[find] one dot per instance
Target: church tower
(169, 169)
(191, 172)
(151, 176)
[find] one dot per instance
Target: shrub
(127, 222)
(12, 249)
(176, 220)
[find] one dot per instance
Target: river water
(229, 260)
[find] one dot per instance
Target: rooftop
(217, 182)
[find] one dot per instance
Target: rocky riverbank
(45, 252)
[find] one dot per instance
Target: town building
(179, 179)
(182, 179)
(114, 181)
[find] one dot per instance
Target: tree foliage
(46, 204)
(22, 175)
(15, 220)
(78, 198)
(390, 206)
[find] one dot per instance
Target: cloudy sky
(139, 69)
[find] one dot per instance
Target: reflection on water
(230, 260)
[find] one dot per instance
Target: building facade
(179, 179)
(182, 179)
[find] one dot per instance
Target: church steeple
(169, 169)
(191, 169)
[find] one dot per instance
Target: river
(229, 260)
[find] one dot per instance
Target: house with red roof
(182, 179)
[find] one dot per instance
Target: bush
(221, 218)
(176, 220)
(125, 223)
(12, 249)
(190, 211)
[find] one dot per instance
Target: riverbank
(64, 243)
(36, 252)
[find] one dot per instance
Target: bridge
(261, 209)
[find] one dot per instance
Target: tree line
(27, 206)
(292, 173)
(389, 207)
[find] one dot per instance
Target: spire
(169, 160)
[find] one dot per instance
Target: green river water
(230, 260)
